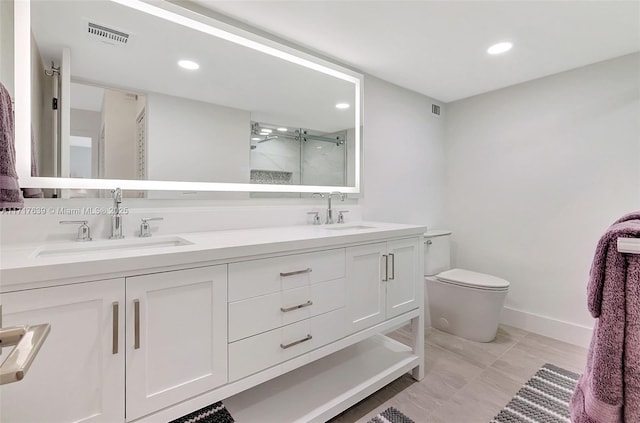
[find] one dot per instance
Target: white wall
(194, 141)
(6, 45)
(535, 173)
(403, 156)
(87, 123)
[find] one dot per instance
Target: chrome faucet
(145, 228)
(329, 219)
(84, 232)
(116, 217)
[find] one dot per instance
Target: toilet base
(469, 313)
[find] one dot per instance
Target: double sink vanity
(283, 324)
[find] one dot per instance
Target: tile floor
(466, 381)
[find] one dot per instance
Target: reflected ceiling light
(342, 106)
(266, 131)
(255, 139)
(282, 129)
(188, 64)
(500, 48)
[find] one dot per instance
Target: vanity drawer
(268, 349)
(260, 314)
(265, 276)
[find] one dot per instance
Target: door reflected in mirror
(108, 134)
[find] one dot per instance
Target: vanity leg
(417, 335)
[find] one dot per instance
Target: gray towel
(33, 192)
(10, 195)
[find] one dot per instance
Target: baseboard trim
(546, 326)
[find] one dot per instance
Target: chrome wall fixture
(266, 133)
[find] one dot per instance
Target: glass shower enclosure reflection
(294, 156)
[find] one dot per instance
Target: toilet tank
(437, 252)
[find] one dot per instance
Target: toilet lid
(472, 279)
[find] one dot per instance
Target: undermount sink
(344, 228)
(93, 247)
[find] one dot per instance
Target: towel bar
(629, 245)
(27, 341)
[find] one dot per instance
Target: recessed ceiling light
(188, 64)
(500, 48)
(282, 129)
(342, 106)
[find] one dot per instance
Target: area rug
(543, 399)
(391, 415)
(214, 413)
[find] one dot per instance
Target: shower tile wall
(278, 154)
(323, 163)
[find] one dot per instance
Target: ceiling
(438, 48)
(273, 90)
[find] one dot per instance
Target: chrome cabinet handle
(297, 272)
(300, 341)
(136, 327)
(115, 307)
(28, 341)
(386, 268)
(393, 266)
(296, 307)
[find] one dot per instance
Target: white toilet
(463, 303)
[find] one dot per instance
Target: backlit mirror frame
(195, 21)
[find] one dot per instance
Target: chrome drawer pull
(393, 266)
(114, 342)
(136, 325)
(385, 278)
(294, 343)
(296, 307)
(297, 272)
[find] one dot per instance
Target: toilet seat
(469, 279)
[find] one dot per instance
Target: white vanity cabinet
(176, 337)
(382, 281)
(289, 328)
(79, 372)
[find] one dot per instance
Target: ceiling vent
(108, 35)
(435, 109)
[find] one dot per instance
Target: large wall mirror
(151, 96)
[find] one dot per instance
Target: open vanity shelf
(322, 389)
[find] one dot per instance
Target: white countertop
(21, 265)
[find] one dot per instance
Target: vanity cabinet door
(383, 281)
(176, 337)
(404, 285)
(365, 267)
(78, 375)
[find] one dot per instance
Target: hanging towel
(10, 195)
(33, 192)
(609, 389)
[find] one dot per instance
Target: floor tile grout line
(506, 351)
